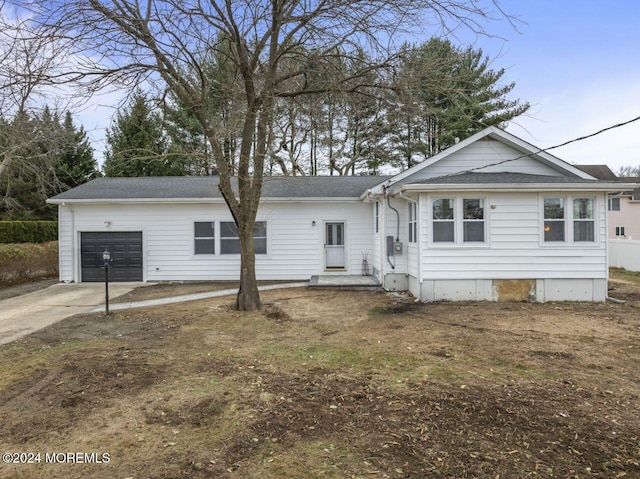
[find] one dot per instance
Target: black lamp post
(106, 257)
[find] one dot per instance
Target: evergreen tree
(224, 109)
(76, 164)
(41, 157)
(137, 144)
(442, 93)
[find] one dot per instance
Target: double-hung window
(458, 220)
(569, 220)
(473, 220)
(583, 220)
(204, 237)
(413, 222)
(230, 240)
(554, 219)
(444, 226)
(614, 204)
(377, 216)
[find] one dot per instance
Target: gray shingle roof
(499, 178)
(206, 187)
(602, 172)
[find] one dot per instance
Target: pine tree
(444, 93)
(41, 157)
(76, 164)
(137, 145)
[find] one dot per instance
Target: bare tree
(628, 171)
(164, 42)
(31, 141)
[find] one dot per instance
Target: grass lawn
(331, 384)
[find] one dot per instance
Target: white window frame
(569, 221)
(620, 231)
(196, 238)
(232, 238)
(592, 220)
(458, 222)
(376, 215)
(613, 201)
(413, 222)
(483, 220)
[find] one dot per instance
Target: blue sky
(578, 64)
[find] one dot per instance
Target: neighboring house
(490, 218)
(624, 212)
(623, 206)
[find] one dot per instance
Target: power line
(617, 125)
(544, 150)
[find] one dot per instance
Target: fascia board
(513, 187)
(350, 199)
(133, 200)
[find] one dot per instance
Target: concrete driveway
(25, 314)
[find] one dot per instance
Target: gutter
(60, 201)
(512, 187)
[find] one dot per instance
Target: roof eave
(512, 187)
(59, 201)
(288, 199)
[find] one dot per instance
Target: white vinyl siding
(513, 231)
(67, 245)
(294, 243)
(486, 156)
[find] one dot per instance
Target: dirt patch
(179, 288)
(339, 384)
(7, 292)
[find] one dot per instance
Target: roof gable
(488, 151)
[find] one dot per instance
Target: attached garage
(126, 255)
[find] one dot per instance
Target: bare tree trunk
(248, 298)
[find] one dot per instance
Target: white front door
(334, 245)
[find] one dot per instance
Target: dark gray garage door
(126, 256)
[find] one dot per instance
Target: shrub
(28, 231)
(20, 263)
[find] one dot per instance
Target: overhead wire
(545, 150)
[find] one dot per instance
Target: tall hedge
(20, 263)
(28, 231)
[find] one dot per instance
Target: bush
(20, 263)
(28, 231)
